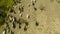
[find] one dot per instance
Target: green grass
(4, 8)
(6, 3)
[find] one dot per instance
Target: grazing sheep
(35, 8)
(13, 19)
(12, 32)
(25, 28)
(21, 9)
(10, 18)
(28, 16)
(26, 23)
(36, 23)
(4, 31)
(33, 0)
(14, 26)
(20, 15)
(19, 26)
(8, 29)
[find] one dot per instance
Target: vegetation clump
(4, 9)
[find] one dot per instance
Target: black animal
(19, 26)
(14, 26)
(21, 9)
(26, 23)
(5, 31)
(12, 32)
(37, 23)
(35, 8)
(25, 28)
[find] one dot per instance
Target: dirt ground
(45, 12)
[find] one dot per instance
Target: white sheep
(28, 16)
(10, 18)
(33, 0)
(4, 32)
(20, 15)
